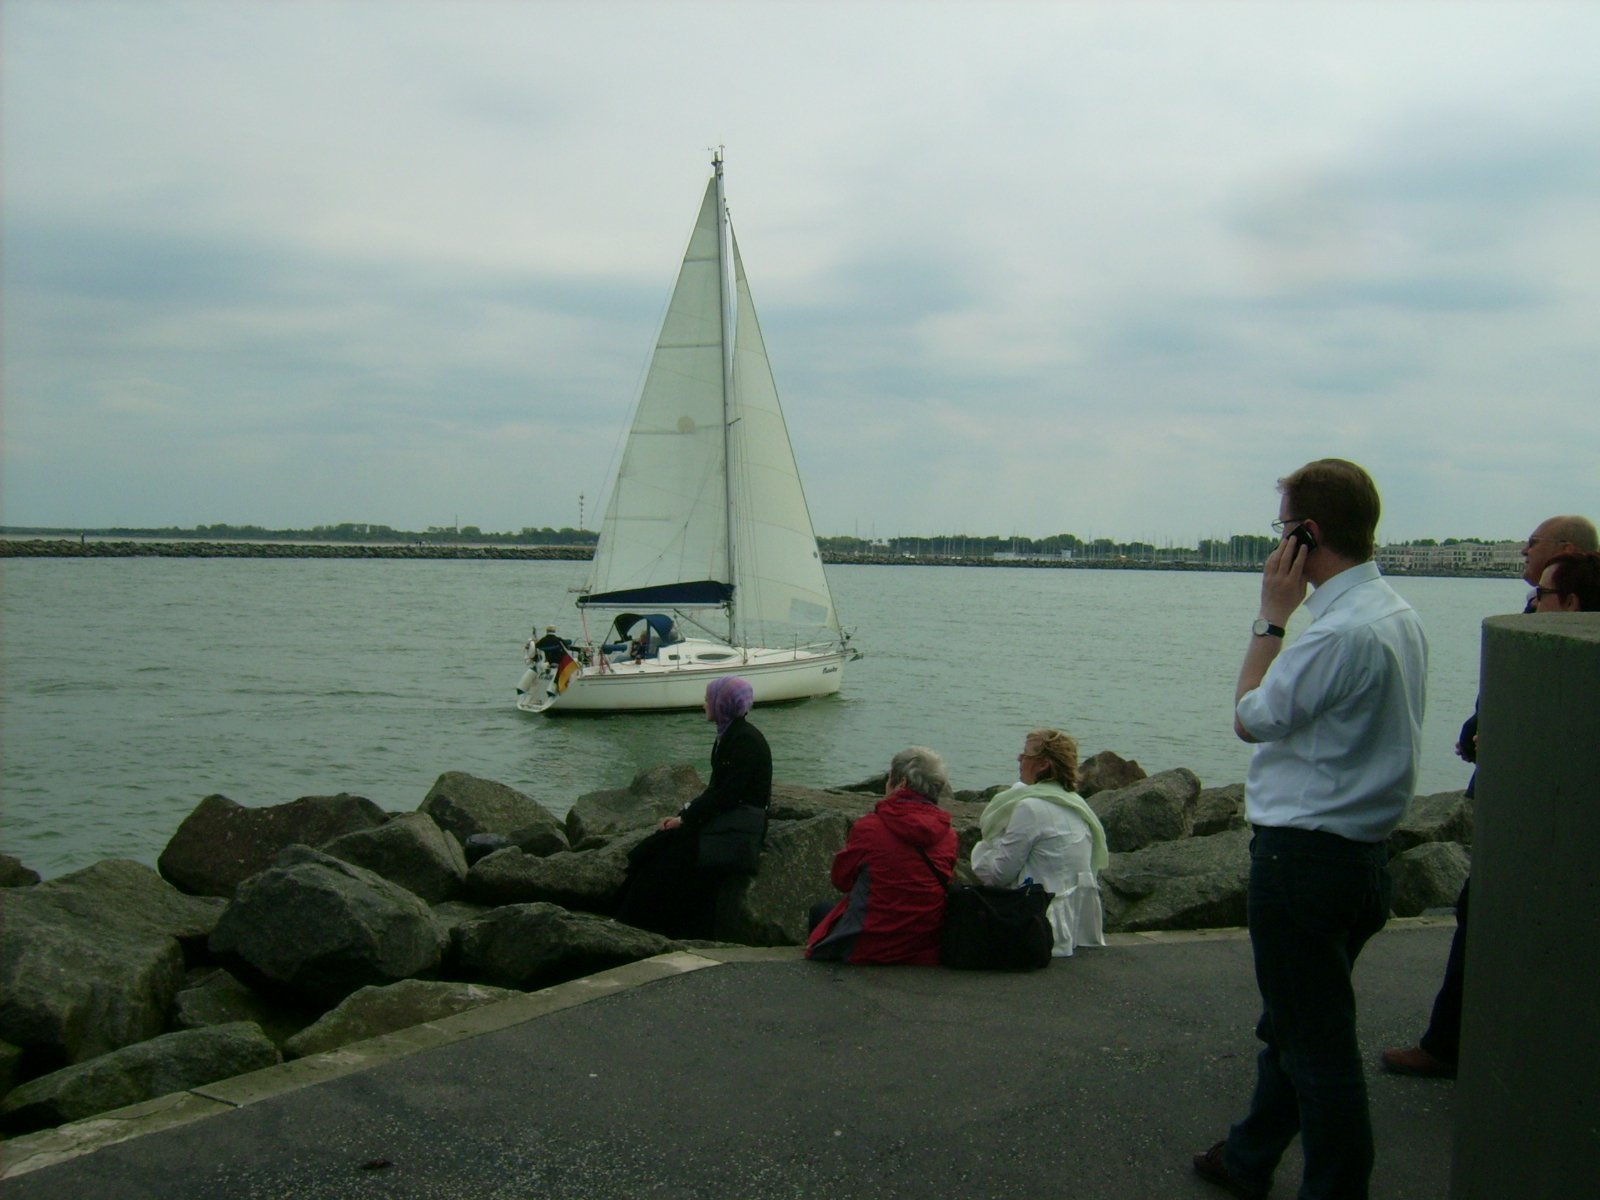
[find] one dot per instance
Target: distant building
(1464, 558)
(1018, 556)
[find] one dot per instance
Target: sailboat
(707, 562)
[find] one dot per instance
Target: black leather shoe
(1209, 1166)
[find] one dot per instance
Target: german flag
(565, 670)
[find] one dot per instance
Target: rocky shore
(295, 929)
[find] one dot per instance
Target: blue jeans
(1314, 901)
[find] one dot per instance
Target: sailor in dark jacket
(665, 891)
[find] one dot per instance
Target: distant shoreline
(15, 547)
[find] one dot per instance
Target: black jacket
(741, 773)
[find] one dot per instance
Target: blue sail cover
(701, 593)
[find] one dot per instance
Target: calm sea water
(134, 687)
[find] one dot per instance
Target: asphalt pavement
(751, 1074)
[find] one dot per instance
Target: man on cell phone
(1337, 721)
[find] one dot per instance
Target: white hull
(677, 679)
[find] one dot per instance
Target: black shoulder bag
(993, 928)
(730, 842)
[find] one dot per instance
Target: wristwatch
(1265, 628)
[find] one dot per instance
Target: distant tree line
(360, 531)
(1239, 549)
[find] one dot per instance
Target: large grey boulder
(1107, 772)
(654, 793)
(979, 796)
(1197, 883)
(409, 849)
(319, 928)
(790, 802)
(464, 804)
(374, 1011)
(1217, 810)
(221, 843)
(91, 961)
(173, 1062)
(10, 1066)
(530, 946)
(14, 874)
(770, 907)
(1441, 817)
(451, 913)
(1428, 876)
(220, 999)
(583, 879)
(967, 821)
(1157, 809)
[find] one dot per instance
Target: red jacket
(894, 904)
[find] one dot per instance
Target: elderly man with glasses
(1558, 535)
(1435, 1054)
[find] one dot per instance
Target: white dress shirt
(1339, 714)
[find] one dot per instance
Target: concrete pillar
(1528, 1094)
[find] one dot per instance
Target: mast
(726, 313)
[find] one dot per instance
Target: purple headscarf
(729, 697)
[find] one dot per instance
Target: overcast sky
(1099, 268)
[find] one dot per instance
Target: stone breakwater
(67, 548)
(295, 929)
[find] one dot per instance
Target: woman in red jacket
(890, 871)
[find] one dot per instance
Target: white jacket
(1052, 846)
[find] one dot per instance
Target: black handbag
(730, 842)
(994, 928)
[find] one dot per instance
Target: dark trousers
(665, 892)
(1443, 1039)
(1314, 901)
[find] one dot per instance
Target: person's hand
(1283, 581)
(670, 823)
(1466, 752)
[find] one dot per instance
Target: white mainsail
(666, 523)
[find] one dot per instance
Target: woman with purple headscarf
(666, 891)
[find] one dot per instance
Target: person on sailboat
(892, 872)
(666, 890)
(1041, 829)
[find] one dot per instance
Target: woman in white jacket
(1041, 829)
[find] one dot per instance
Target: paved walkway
(754, 1074)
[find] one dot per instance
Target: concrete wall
(1528, 1093)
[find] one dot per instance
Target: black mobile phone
(1304, 536)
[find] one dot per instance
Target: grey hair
(921, 770)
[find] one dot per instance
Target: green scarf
(997, 814)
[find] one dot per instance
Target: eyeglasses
(1539, 593)
(1281, 526)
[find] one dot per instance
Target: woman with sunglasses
(1041, 829)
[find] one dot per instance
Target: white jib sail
(782, 595)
